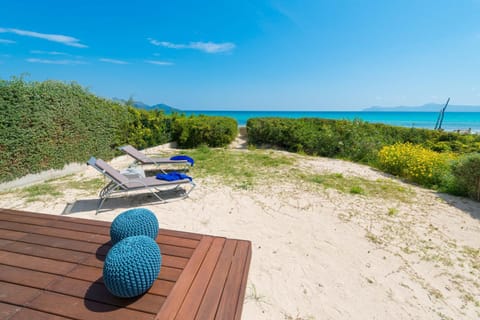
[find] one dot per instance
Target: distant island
(430, 107)
(141, 105)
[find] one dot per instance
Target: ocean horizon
(452, 120)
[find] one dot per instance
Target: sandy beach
(320, 252)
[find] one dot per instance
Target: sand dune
(320, 253)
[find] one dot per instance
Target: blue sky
(247, 55)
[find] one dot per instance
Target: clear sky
(245, 54)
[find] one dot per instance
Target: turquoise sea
(452, 120)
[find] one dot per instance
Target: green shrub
(45, 125)
(146, 128)
(466, 176)
(354, 140)
(191, 132)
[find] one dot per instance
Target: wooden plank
(20, 218)
(176, 251)
(172, 238)
(29, 314)
(88, 228)
(177, 241)
(6, 310)
(211, 299)
(94, 261)
(47, 252)
(97, 291)
(16, 226)
(5, 243)
(232, 293)
(54, 217)
(26, 277)
(17, 294)
(192, 301)
(181, 234)
(162, 288)
(168, 273)
(79, 308)
(86, 273)
(60, 224)
(174, 262)
(176, 297)
(68, 244)
(60, 233)
(243, 285)
(99, 230)
(11, 234)
(89, 273)
(169, 261)
(35, 263)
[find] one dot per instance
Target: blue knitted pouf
(134, 222)
(131, 266)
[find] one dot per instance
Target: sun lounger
(121, 183)
(141, 158)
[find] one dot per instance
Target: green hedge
(466, 176)
(146, 128)
(354, 140)
(45, 125)
(190, 132)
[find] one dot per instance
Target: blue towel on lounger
(172, 176)
(183, 157)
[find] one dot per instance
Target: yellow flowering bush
(415, 163)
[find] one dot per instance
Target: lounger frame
(121, 184)
(143, 159)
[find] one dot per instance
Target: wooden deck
(51, 268)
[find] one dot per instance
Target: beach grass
(247, 169)
(87, 185)
(54, 187)
(239, 169)
(40, 191)
(380, 188)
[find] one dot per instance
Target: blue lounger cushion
(183, 157)
(173, 176)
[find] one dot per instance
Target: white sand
(323, 254)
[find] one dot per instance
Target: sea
(452, 121)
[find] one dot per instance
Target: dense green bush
(354, 140)
(190, 132)
(466, 176)
(46, 125)
(144, 129)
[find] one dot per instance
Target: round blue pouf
(134, 222)
(131, 266)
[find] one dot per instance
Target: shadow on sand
(466, 205)
(122, 202)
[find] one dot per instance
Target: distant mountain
(429, 107)
(164, 107)
(141, 105)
